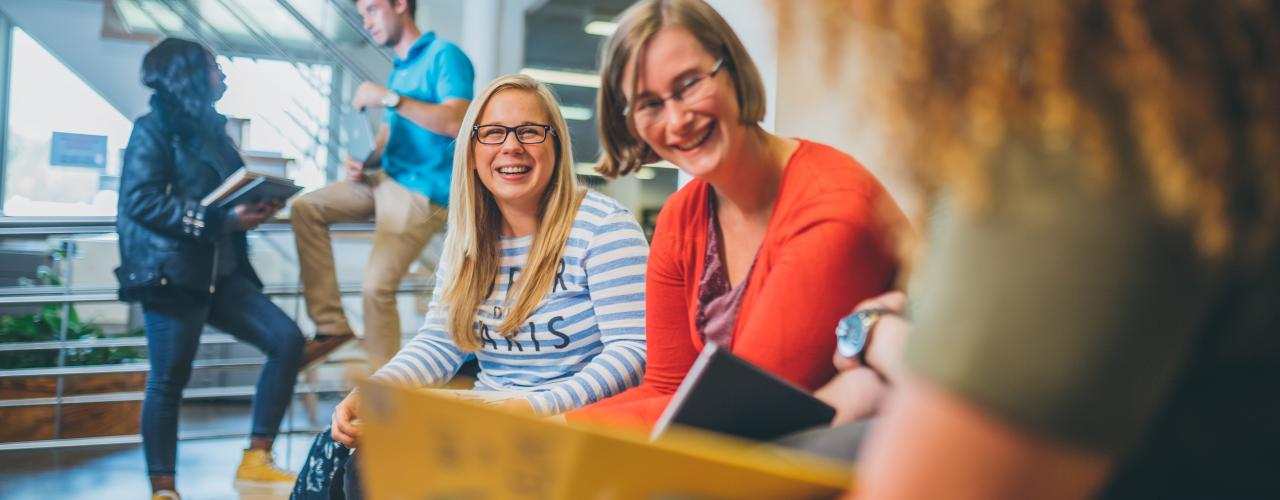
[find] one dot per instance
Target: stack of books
(249, 187)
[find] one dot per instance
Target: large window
(286, 108)
(64, 142)
(46, 98)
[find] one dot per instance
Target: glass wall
(286, 111)
(49, 104)
(65, 142)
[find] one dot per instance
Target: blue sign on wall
(78, 150)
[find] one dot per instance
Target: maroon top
(717, 301)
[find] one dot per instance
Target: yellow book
(415, 444)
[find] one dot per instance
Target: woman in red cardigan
(771, 243)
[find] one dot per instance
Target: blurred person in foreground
(1095, 303)
(188, 264)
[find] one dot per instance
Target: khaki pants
(404, 223)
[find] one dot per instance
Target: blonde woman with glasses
(541, 281)
(771, 243)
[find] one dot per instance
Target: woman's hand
(344, 427)
(887, 339)
(250, 216)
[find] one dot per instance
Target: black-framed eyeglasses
(693, 89)
(534, 133)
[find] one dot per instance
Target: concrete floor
(206, 467)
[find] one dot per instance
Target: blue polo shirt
(433, 71)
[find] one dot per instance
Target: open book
(246, 186)
(727, 394)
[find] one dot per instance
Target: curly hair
(178, 71)
(1185, 93)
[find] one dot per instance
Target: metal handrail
(26, 226)
(278, 290)
(193, 20)
(358, 26)
(133, 439)
(66, 295)
(272, 45)
(109, 294)
(124, 368)
(94, 343)
(69, 298)
(324, 41)
(191, 393)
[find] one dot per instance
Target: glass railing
(73, 359)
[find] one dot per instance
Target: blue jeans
(239, 308)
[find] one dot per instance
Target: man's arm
(379, 144)
(444, 118)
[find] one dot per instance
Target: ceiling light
(601, 28)
(571, 78)
(584, 168)
(576, 113)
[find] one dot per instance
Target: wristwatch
(390, 100)
(854, 331)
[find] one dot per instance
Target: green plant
(45, 324)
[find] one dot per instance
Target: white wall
(752, 20)
(490, 32)
(753, 23)
(808, 101)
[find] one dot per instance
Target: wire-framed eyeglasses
(691, 90)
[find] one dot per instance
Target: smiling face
(516, 174)
(698, 135)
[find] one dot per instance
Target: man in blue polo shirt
(425, 98)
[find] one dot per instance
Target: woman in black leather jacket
(188, 264)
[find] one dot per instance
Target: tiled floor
(206, 467)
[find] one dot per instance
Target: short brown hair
(413, 6)
(623, 151)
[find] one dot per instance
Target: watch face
(851, 335)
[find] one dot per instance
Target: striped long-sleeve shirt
(583, 343)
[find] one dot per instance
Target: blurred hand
(887, 339)
(368, 94)
(516, 405)
(354, 169)
(252, 215)
(345, 429)
(855, 394)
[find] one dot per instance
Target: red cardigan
(827, 248)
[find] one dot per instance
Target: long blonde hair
(471, 247)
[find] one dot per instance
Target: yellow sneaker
(257, 469)
(166, 495)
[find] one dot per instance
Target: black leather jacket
(168, 241)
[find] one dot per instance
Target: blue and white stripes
(584, 342)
